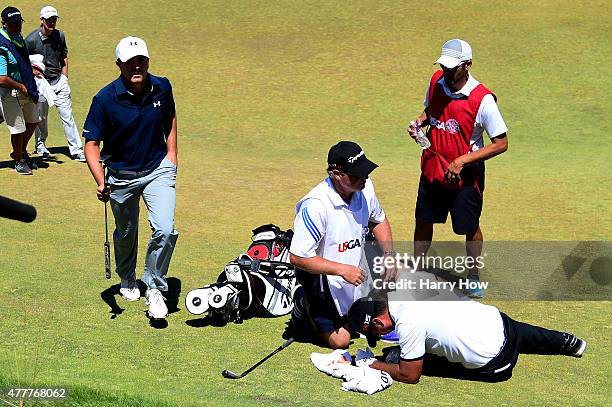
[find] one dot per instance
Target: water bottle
(421, 139)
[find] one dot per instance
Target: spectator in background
(18, 92)
(51, 43)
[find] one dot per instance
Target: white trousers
(63, 103)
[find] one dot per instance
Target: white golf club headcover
(334, 364)
(364, 379)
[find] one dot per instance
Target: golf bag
(259, 282)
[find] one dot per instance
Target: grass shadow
(157, 323)
(173, 294)
(64, 150)
(109, 297)
(7, 164)
(206, 321)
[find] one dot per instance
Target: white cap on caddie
(130, 47)
(48, 12)
(454, 52)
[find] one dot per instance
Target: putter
(107, 259)
(231, 375)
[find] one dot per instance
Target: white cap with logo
(130, 47)
(48, 12)
(454, 52)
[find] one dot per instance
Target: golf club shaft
(107, 262)
(283, 346)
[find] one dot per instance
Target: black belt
(135, 174)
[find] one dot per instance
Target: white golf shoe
(130, 294)
(157, 305)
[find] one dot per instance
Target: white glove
(334, 364)
(364, 379)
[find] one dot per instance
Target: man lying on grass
(459, 339)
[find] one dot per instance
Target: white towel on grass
(361, 378)
(364, 379)
(334, 363)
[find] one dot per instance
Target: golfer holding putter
(134, 117)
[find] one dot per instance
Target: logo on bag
(351, 244)
(157, 104)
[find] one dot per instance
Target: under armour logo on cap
(130, 47)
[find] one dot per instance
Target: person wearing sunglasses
(18, 92)
(330, 228)
(50, 42)
(458, 110)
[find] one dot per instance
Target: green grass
(262, 90)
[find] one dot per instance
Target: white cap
(130, 47)
(454, 52)
(37, 61)
(48, 12)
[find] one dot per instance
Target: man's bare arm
(404, 371)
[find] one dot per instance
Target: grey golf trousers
(158, 192)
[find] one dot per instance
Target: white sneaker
(79, 157)
(130, 294)
(43, 151)
(156, 302)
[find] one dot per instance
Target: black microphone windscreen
(15, 210)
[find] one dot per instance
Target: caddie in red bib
(458, 110)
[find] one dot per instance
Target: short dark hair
(380, 308)
(361, 314)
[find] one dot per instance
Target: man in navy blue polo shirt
(134, 117)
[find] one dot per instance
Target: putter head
(229, 375)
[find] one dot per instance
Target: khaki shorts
(17, 111)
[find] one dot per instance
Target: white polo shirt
(466, 332)
(328, 227)
(488, 118)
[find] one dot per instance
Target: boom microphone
(15, 210)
